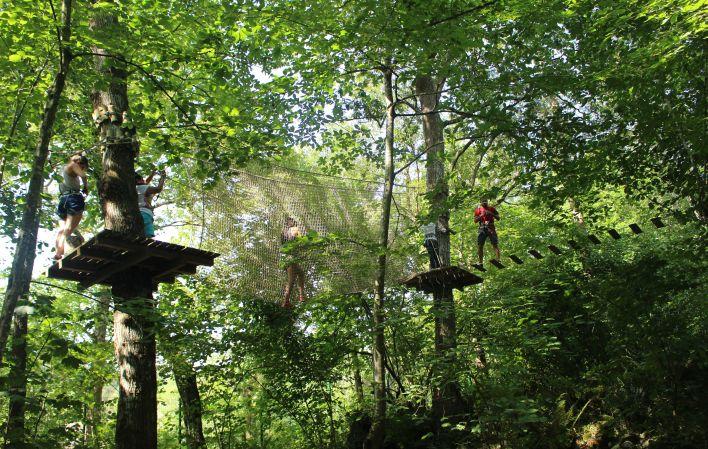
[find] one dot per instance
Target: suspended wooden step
(593, 238)
(656, 221)
(516, 259)
(535, 254)
(497, 264)
(449, 277)
(635, 228)
(555, 250)
(573, 244)
(110, 253)
(614, 234)
(479, 266)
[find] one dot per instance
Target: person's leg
(289, 286)
(436, 254)
(59, 242)
(69, 225)
(431, 253)
(148, 224)
(481, 237)
(495, 244)
(300, 282)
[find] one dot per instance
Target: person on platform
(292, 231)
(145, 194)
(430, 242)
(70, 209)
(485, 215)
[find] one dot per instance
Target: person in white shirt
(431, 242)
(145, 194)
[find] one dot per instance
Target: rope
(243, 218)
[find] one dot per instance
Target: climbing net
(243, 218)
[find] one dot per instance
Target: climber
(485, 216)
(430, 242)
(71, 201)
(292, 231)
(145, 194)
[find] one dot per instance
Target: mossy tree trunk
(446, 395)
(134, 316)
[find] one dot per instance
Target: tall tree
(377, 432)
(133, 319)
(23, 261)
(186, 380)
(446, 393)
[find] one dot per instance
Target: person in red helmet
(485, 215)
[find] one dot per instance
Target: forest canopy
(353, 224)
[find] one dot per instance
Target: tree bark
(377, 432)
(133, 320)
(15, 436)
(186, 381)
(95, 413)
(446, 397)
(23, 261)
(358, 384)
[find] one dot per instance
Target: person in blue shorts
(70, 209)
(145, 194)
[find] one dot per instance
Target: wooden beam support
(535, 254)
(516, 259)
(125, 263)
(555, 250)
(79, 265)
(656, 221)
(593, 238)
(155, 250)
(497, 264)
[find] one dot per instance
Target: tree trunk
(377, 432)
(186, 381)
(446, 394)
(23, 262)
(15, 436)
(96, 411)
(133, 320)
(358, 384)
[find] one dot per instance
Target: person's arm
(496, 214)
(75, 169)
(477, 217)
(148, 180)
(160, 185)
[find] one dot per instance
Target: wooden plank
(117, 267)
(555, 250)
(517, 260)
(64, 275)
(573, 244)
(593, 238)
(497, 264)
(479, 267)
(656, 221)
(196, 259)
(79, 265)
(535, 254)
(635, 228)
(614, 234)
(93, 252)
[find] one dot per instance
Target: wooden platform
(109, 253)
(451, 277)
